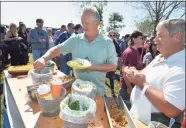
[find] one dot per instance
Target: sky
(57, 13)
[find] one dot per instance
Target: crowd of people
(152, 69)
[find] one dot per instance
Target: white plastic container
(45, 92)
(86, 88)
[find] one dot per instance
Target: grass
(3, 67)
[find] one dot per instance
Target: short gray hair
(174, 26)
(92, 11)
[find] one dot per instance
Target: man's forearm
(106, 67)
(157, 99)
(51, 53)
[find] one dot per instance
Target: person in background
(51, 41)
(65, 58)
(124, 43)
(38, 38)
(140, 49)
(58, 32)
(130, 57)
(3, 45)
(12, 40)
(152, 52)
(24, 45)
(146, 46)
(92, 45)
(19, 27)
(162, 83)
(111, 75)
(78, 29)
(56, 35)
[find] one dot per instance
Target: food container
(122, 106)
(45, 92)
(77, 111)
(86, 88)
(31, 90)
(51, 108)
(51, 65)
(155, 124)
(67, 81)
(40, 77)
(20, 70)
(56, 88)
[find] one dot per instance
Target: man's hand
(136, 77)
(39, 64)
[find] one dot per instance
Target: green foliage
(115, 22)
(146, 26)
(160, 10)
(100, 5)
(75, 105)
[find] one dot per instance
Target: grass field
(4, 67)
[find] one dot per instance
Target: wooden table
(30, 112)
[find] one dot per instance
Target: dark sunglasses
(112, 35)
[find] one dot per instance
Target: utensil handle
(172, 120)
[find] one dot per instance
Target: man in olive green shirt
(92, 45)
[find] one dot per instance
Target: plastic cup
(56, 88)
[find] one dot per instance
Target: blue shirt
(100, 51)
(57, 33)
(62, 37)
(123, 45)
(2, 36)
(35, 35)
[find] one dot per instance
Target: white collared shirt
(167, 76)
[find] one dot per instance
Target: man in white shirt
(163, 80)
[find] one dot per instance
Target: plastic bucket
(50, 108)
(73, 125)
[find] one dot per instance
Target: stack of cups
(56, 88)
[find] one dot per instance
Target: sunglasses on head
(112, 35)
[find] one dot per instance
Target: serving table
(24, 113)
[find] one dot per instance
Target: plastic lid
(43, 89)
(57, 82)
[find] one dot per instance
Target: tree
(146, 26)
(115, 22)
(100, 5)
(162, 10)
